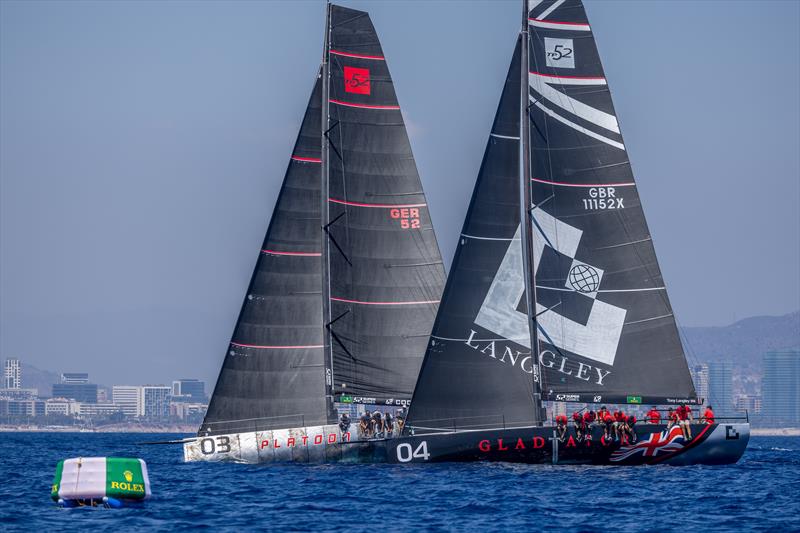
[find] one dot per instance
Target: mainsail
(602, 322)
(349, 277)
(386, 272)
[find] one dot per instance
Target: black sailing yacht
(349, 277)
(555, 293)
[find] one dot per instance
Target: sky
(142, 145)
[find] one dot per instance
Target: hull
(712, 444)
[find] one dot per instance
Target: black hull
(712, 444)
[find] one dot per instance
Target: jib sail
(606, 328)
(272, 375)
(385, 270)
(478, 367)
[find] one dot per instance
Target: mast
(525, 215)
(326, 262)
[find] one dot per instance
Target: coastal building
(155, 401)
(128, 398)
(19, 394)
(186, 410)
(12, 374)
(700, 378)
(61, 406)
(720, 387)
(193, 389)
(748, 403)
(81, 392)
(22, 408)
(780, 387)
(75, 377)
(91, 410)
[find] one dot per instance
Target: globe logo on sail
(584, 278)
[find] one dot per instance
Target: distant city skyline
(142, 145)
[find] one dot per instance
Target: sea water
(761, 492)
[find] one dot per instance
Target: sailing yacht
(348, 280)
(554, 295)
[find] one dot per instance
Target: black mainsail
(602, 320)
(348, 281)
(386, 272)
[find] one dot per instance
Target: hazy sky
(142, 145)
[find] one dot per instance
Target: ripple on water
(758, 493)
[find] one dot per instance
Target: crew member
(684, 413)
(365, 424)
(561, 426)
(708, 415)
(672, 418)
(388, 424)
(653, 416)
(608, 420)
(344, 423)
(378, 424)
(577, 421)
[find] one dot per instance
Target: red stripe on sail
(363, 106)
(299, 254)
(581, 24)
(276, 347)
(306, 159)
(358, 204)
(421, 302)
(357, 56)
(562, 184)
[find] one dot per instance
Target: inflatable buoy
(100, 481)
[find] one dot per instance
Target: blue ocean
(760, 492)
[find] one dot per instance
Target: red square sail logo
(356, 80)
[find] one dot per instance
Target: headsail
(478, 366)
(386, 272)
(272, 373)
(605, 323)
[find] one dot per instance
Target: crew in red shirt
(672, 418)
(684, 414)
(608, 420)
(561, 426)
(708, 415)
(653, 416)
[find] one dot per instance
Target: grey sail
(272, 374)
(599, 319)
(349, 276)
(386, 272)
(606, 328)
(476, 374)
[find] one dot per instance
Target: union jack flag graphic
(668, 441)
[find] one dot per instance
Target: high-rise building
(748, 403)
(720, 387)
(74, 378)
(700, 378)
(193, 389)
(155, 401)
(780, 387)
(12, 374)
(82, 392)
(128, 398)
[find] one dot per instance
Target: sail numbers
(603, 198)
(405, 454)
(409, 218)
